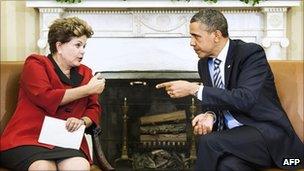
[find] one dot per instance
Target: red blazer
(40, 94)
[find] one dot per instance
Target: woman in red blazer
(58, 86)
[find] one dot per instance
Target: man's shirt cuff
(200, 93)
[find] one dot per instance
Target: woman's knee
(74, 163)
(43, 165)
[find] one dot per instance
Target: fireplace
(131, 103)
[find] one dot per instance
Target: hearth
(142, 127)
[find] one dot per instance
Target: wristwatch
(84, 122)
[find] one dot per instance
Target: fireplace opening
(142, 127)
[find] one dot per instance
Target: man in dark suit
(240, 102)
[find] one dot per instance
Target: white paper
(54, 132)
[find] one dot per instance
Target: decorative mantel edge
(160, 4)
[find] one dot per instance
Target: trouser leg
(243, 142)
(233, 163)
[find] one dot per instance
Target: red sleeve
(93, 109)
(37, 86)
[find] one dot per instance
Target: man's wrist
(195, 89)
(211, 114)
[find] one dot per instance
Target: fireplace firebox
(142, 127)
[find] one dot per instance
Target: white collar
(223, 54)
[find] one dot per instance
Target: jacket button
(68, 110)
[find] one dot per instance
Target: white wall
(295, 33)
(19, 31)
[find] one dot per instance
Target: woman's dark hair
(213, 20)
(64, 29)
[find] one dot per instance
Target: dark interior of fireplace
(142, 127)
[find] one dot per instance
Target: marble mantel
(153, 34)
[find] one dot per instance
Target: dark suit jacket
(251, 97)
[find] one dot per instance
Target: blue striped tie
(218, 82)
(217, 78)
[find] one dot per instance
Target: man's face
(202, 41)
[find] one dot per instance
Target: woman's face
(72, 52)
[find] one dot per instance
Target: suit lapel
(207, 70)
(229, 62)
(204, 68)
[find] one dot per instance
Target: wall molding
(145, 21)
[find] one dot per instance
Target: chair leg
(100, 157)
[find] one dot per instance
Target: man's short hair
(213, 20)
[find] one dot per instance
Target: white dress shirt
(230, 121)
